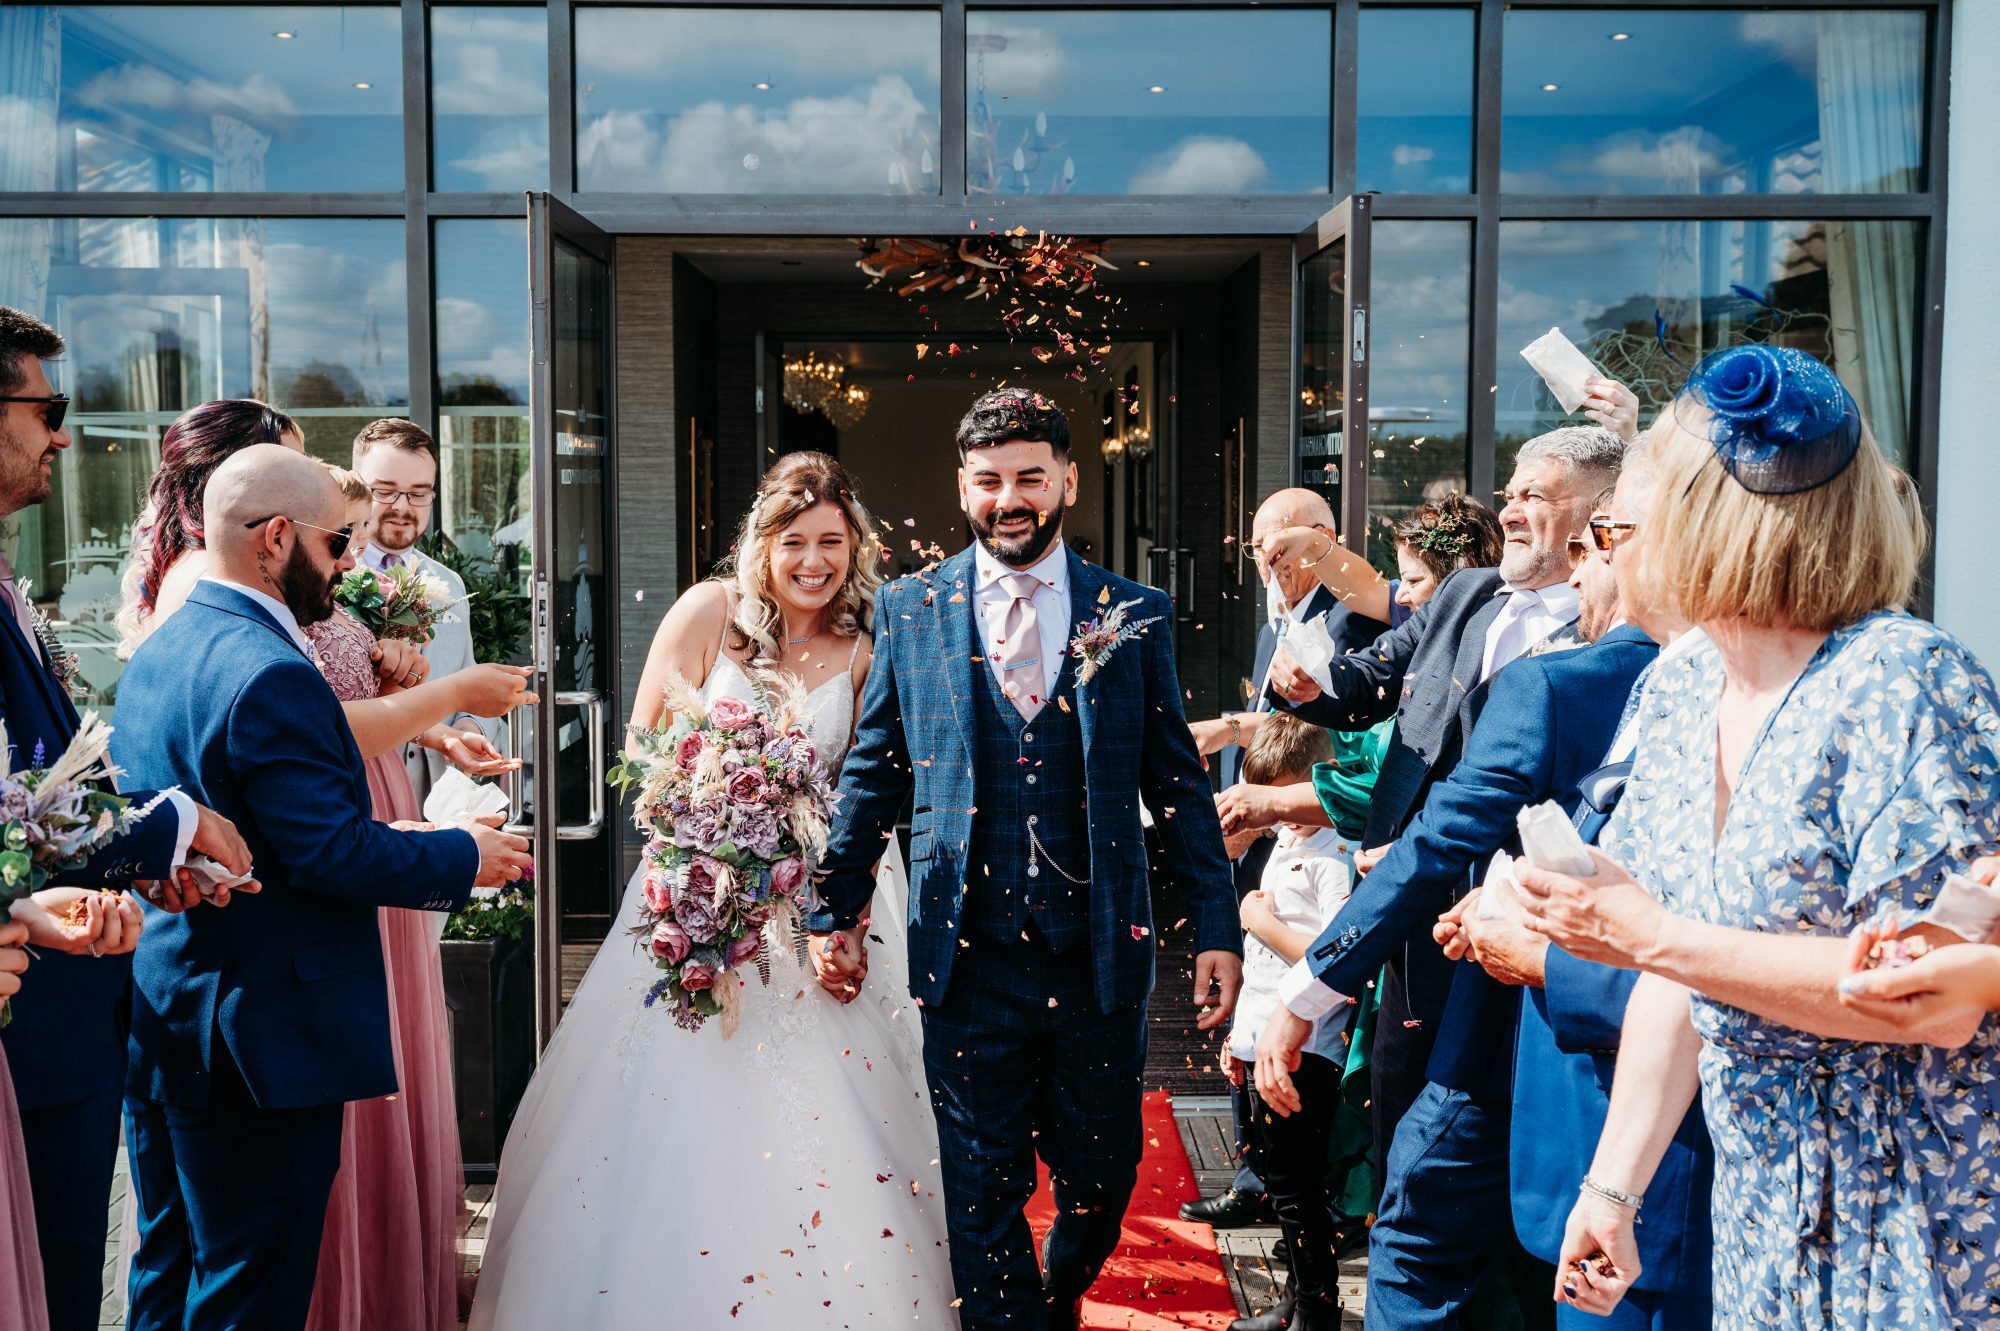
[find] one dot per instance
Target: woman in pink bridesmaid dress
(23, 1303)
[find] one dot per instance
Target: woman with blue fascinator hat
(1825, 763)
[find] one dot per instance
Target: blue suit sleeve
(145, 851)
(1464, 820)
(1367, 683)
(1586, 1001)
(288, 742)
(1174, 785)
(875, 783)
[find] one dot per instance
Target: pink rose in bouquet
(688, 752)
(746, 786)
(746, 948)
(697, 976)
(727, 713)
(788, 876)
(658, 887)
(671, 942)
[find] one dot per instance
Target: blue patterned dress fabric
(1855, 1184)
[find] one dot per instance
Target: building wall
(1968, 592)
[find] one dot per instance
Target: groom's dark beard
(307, 593)
(1024, 550)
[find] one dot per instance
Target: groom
(1030, 920)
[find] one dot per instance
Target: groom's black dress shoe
(1233, 1209)
(1275, 1318)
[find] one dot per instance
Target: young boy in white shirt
(1303, 885)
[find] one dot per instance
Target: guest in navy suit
(1030, 915)
(251, 1027)
(1292, 596)
(1567, 1050)
(66, 1044)
(1428, 675)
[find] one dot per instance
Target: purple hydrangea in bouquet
(737, 812)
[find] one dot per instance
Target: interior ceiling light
(364, 85)
(284, 36)
(1621, 36)
(1157, 87)
(762, 85)
(1550, 87)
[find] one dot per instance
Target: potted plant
(489, 990)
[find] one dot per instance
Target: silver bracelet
(1612, 1194)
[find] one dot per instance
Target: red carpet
(1166, 1273)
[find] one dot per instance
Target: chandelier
(814, 383)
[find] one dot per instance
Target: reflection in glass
(1195, 101)
(1419, 348)
(757, 101)
(1413, 101)
(1322, 378)
(1844, 291)
(1713, 101)
(482, 382)
(489, 98)
(162, 314)
(201, 97)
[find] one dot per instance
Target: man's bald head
(292, 560)
(1289, 508)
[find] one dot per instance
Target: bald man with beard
(252, 1027)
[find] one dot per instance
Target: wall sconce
(1139, 443)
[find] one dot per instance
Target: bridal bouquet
(394, 603)
(53, 817)
(737, 812)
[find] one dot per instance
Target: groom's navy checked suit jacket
(916, 736)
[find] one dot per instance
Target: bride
(786, 1177)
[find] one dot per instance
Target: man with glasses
(399, 461)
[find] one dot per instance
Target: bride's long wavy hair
(797, 482)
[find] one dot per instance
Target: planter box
(489, 992)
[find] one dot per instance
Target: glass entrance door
(563, 802)
(1330, 339)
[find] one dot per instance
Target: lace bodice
(829, 708)
(344, 646)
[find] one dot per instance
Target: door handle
(517, 780)
(592, 703)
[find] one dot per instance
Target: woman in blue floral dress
(1828, 761)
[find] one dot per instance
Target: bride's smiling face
(810, 557)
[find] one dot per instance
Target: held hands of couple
(840, 961)
(1600, 1255)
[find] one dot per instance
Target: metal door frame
(1348, 220)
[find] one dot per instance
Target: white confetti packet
(1562, 367)
(1550, 841)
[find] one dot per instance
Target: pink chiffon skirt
(23, 1302)
(389, 1259)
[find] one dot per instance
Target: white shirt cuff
(1305, 996)
(190, 817)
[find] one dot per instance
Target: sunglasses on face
(57, 404)
(1577, 549)
(338, 540)
(1607, 534)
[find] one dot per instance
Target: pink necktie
(1020, 646)
(10, 590)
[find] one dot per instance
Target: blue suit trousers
(1021, 1062)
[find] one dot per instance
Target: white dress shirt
(1304, 882)
(1051, 601)
(1529, 617)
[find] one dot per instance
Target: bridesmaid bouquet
(737, 812)
(398, 603)
(53, 817)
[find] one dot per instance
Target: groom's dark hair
(1007, 414)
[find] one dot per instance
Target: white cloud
(485, 82)
(1409, 154)
(472, 340)
(1681, 157)
(506, 157)
(259, 99)
(670, 46)
(1203, 164)
(813, 144)
(1033, 64)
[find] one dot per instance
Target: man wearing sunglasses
(66, 1044)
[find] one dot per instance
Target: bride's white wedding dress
(785, 1178)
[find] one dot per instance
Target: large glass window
(757, 101)
(161, 314)
(1420, 296)
(1413, 101)
(482, 370)
(201, 97)
(489, 98)
(1713, 101)
(1193, 101)
(1845, 291)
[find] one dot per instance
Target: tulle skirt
(23, 1302)
(388, 1260)
(784, 1179)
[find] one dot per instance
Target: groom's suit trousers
(1021, 1062)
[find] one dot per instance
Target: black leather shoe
(1233, 1209)
(1315, 1315)
(1276, 1318)
(1281, 1253)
